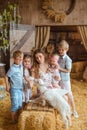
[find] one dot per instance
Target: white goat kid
(54, 98)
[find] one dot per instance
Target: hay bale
(85, 74)
(78, 66)
(37, 120)
(2, 88)
(78, 69)
(76, 75)
(39, 107)
(2, 81)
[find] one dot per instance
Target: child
(54, 69)
(15, 74)
(66, 63)
(27, 93)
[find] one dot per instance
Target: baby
(53, 68)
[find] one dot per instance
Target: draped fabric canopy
(83, 32)
(42, 36)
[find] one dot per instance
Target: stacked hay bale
(2, 81)
(85, 74)
(2, 88)
(37, 118)
(78, 69)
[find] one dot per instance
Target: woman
(39, 63)
(40, 70)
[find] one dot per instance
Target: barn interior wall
(32, 13)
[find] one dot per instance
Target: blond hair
(17, 53)
(63, 44)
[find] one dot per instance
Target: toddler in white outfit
(27, 92)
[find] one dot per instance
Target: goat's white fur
(53, 97)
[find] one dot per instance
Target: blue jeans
(16, 99)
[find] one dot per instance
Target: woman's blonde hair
(63, 44)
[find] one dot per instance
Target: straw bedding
(79, 89)
(45, 119)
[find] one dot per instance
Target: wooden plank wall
(31, 12)
(22, 38)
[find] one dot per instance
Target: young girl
(27, 93)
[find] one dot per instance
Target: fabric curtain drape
(42, 36)
(83, 32)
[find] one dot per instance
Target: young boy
(65, 68)
(15, 74)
